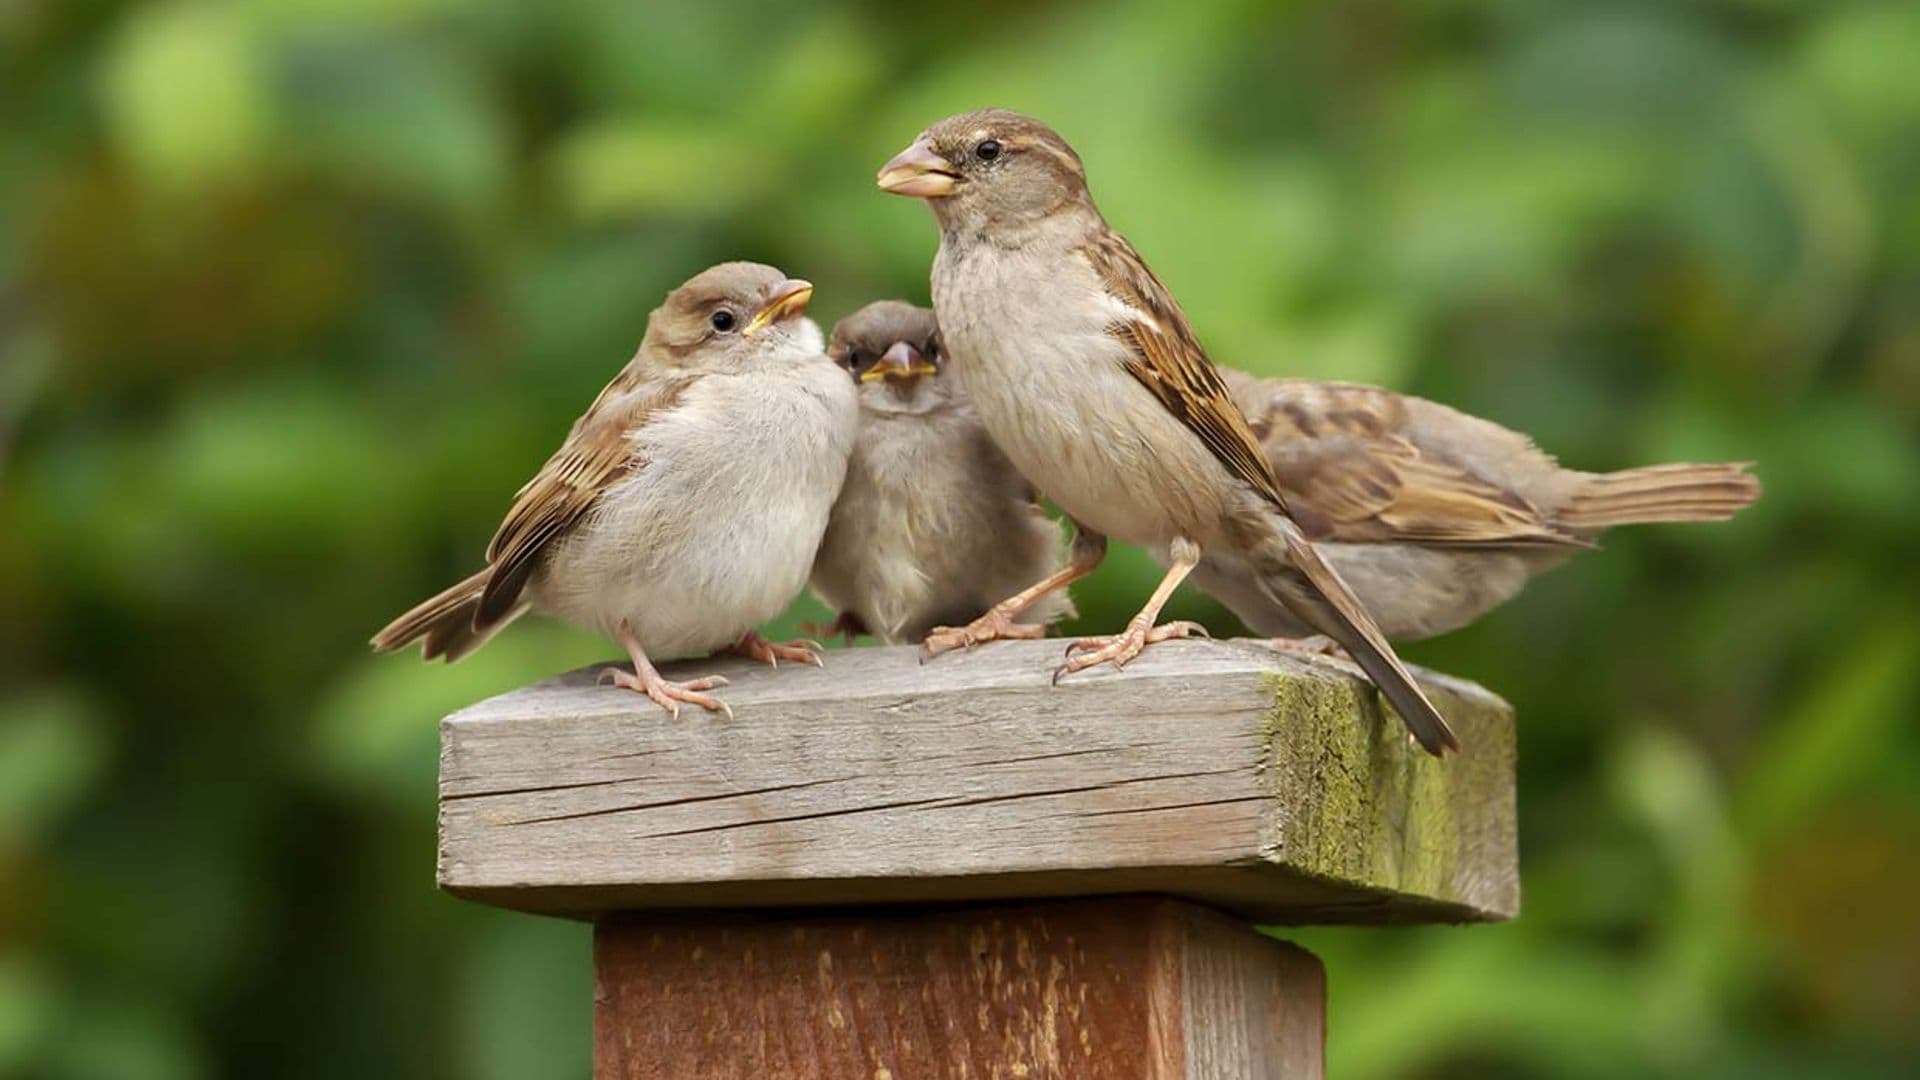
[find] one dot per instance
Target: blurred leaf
(26, 1013)
(420, 126)
(52, 752)
(1860, 63)
(616, 168)
(1669, 785)
(186, 89)
(126, 1041)
(527, 1010)
(375, 734)
(1837, 730)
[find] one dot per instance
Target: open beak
(899, 363)
(789, 299)
(919, 172)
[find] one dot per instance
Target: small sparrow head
(990, 170)
(735, 316)
(893, 350)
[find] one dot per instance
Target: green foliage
(293, 295)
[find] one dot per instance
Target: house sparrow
(687, 502)
(1090, 379)
(1433, 516)
(933, 525)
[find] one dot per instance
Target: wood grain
(1277, 787)
(1133, 988)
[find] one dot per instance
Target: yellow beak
(918, 172)
(789, 299)
(900, 362)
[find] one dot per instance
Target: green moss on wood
(1356, 801)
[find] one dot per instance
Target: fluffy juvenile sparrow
(1089, 377)
(1433, 516)
(934, 524)
(687, 502)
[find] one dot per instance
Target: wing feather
(1167, 359)
(598, 453)
(1352, 469)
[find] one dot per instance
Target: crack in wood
(538, 789)
(679, 802)
(1060, 754)
(1166, 806)
(844, 812)
(1012, 796)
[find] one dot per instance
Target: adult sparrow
(686, 504)
(1088, 376)
(934, 524)
(1433, 516)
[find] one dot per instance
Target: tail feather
(1662, 493)
(1337, 613)
(445, 623)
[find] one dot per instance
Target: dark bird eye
(987, 149)
(852, 359)
(722, 320)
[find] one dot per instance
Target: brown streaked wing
(1168, 360)
(598, 451)
(1341, 455)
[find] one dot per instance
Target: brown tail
(446, 622)
(1681, 492)
(1335, 611)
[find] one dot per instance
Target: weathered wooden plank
(1267, 784)
(1111, 989)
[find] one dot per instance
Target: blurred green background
(295, 293)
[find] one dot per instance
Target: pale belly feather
(1052, 388)
(717, 532)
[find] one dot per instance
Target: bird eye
(987, 149)
(722, 320)
(852, 359)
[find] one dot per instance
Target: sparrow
(1435, 517)
(686, 504)
(934, 524)
(1091, 380)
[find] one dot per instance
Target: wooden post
(884, 869)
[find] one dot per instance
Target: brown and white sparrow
(1089, 377)
(685, 506)
(934, 524)
(1435, 517)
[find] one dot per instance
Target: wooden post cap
(1278, 787)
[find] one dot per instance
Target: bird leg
(999, 623)
(1120, 648)
(801, 650)
(645, 679)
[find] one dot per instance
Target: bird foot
(1118, 649)
(996, 625)
(1312, 645)
(667, 694)
(800, 650)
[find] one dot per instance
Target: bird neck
(1067, 222)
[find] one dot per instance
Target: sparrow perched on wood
(1433, 516)
(686, 504)
(934, 524)
(1089, 377)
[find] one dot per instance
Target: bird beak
(919, 172)
(789, 299)
(902, 362)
